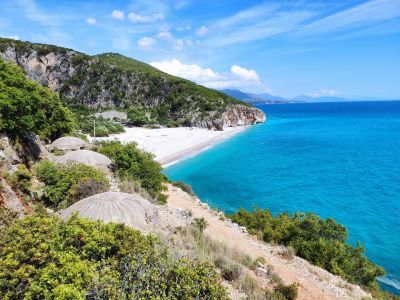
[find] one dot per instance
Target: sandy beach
(170, 145)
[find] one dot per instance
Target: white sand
(172, 144)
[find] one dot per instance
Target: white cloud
(326, 92)
(183, 28)
(117, 14)
(146, 42)
(138, 18)
(244, 73)
(178, 44)
(249, 15)
(91, 21)
(13, 37)
(34, 13)
(238, 77)
(362, 15)
(165, 35)
(192, 72)
(202, 31)
(267, 20)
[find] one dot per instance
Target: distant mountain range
(265, 98)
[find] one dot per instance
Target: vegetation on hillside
(135, 165)
(86, 120)
(135, 85)
(42, 257)
(111, 80)
(26, 107)
(67, 184)
(321, 242)
(235, 267)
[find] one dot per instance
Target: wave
(390, 281)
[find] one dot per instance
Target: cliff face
(238, 115)
(113, 81)
(51, 70)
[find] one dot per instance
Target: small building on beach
(113, 115)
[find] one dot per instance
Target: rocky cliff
(114, 81)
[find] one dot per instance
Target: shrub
(86, 122)
(200, 224)
(138, 116)
(321, 242)
(21, 179)
(135, 165)
(184, 187)
(249, 286)
(259, 261)
(231, 271)
(26, 106)
(101, 131)
(7, 217)
(287, 252)
(66, 184)
(289, 292)
(42, 257)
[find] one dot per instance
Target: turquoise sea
(339, 160)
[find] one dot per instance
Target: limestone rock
(76, 75)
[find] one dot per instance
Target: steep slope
(114, 81)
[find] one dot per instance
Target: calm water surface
(339, 160)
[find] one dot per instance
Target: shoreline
(171, 145)
(199, 148)
(314, 282)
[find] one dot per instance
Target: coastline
(314, 282)
(170, 145)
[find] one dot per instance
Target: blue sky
(288, 48)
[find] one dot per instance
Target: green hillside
(114, 81)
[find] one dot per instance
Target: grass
(235, 267)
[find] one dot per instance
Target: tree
(26, 106)
(66, 184)
(42, 257)
(138, 116)
(136, 165)
(321, 242)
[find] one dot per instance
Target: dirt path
(315, 283)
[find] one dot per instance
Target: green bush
(138, 116)
(22, 179)
(42, 257)
(86, 121)
(66, 184)
(231, 271)
(321, 242)
(288, 292)
(26, 106)
(136, 165)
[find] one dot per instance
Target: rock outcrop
(111, 81)
(239, 115)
